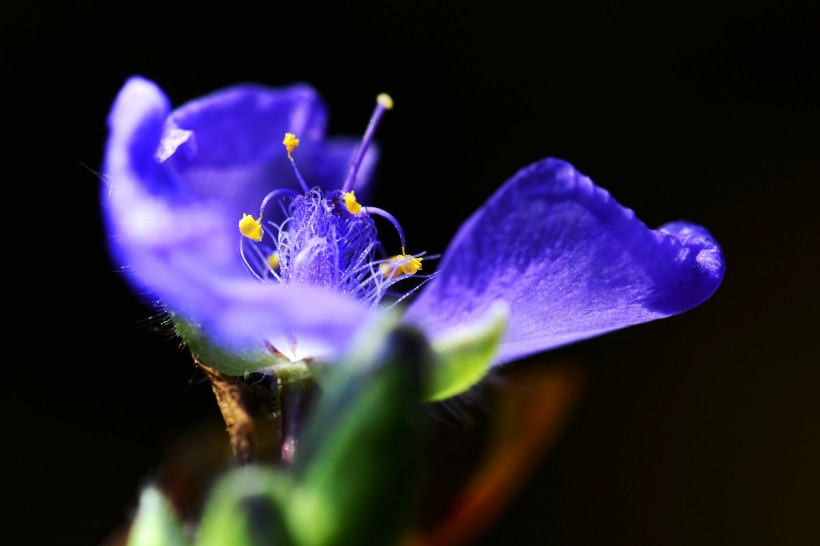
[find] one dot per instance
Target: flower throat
(327, 238)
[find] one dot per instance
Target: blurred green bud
(156, 524)
(246, 508)
(362, 451)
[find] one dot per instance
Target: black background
(698, 429)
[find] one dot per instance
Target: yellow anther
(403, 264)
(385, 100)
(352, 205)
(250, 227)
(290, 142)
(273, 261)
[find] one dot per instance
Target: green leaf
(462, 356)
(360, 456)
(247, 509)
(156, 523)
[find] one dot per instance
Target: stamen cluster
(322, 243)
(326, 240)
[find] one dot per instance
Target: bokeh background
(699, 429)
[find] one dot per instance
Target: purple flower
(559, 258)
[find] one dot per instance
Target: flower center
(327, 239)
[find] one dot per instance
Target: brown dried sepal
(232, 397)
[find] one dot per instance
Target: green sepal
(156, 524)
(361, 453)
(235, 361)
(463, 355)
(247, 508)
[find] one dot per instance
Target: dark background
(698, 429)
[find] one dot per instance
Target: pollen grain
(250, 227)
(290, 142)
(402, 264)
(352, 205)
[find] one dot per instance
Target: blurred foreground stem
(296, 398)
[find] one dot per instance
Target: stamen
(273, 261)
(250, 227)
(291, 142)
(383, 102)
(403, 264)
(276, 194)
(352, 205)
(390, 218)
